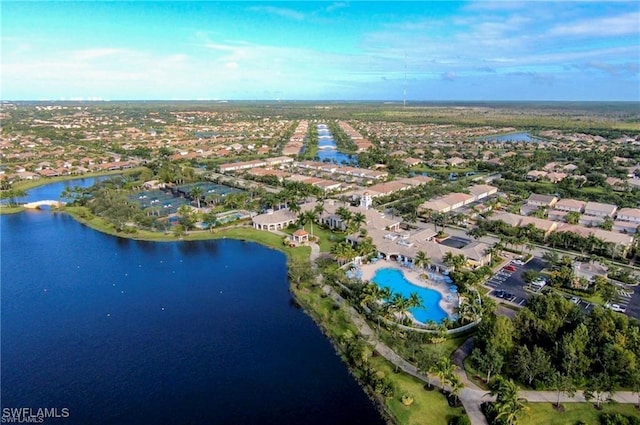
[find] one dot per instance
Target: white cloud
(626, 24)
(279, 11)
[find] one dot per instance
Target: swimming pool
(395, 280)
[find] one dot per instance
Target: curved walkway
(471, 396)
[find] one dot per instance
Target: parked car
(518, 262)
(575, 300)
(510, 268)
(499, 294)
(616, 307)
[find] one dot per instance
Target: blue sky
(478, 50)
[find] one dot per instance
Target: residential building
(545, 201)
(598, 209)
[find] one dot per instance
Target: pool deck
(413, 276)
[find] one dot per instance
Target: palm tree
(456, 386)
(444, 370)
(358, 219)
(345, 215)
(294, 207)
(414, 301)
(196, 193)
(421, 260)
(508, 403)
(366, 246)
(343, 252)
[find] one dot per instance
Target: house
(629, 214)
(616, 183)
(435, 205)
(412, 162)
(481, 191)
(545, 201)
(622, 242)
(457, 200)
(625, 227)
(598, 209)
(547, 226)
(555, 177)
(535, 175)
(570, 205)
(274, 220)
(456, 161)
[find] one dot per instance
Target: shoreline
(369, 271)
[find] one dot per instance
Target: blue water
(328, 150)
(513, 137)
(130, 332)
(395, 280)
(53, 191)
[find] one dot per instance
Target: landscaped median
(573, 413)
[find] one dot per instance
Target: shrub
(407, 399)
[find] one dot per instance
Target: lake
(328, 150)
(512, 137)
(130, 332)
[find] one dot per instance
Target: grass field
(10, 210)
(327, 237)
(429, 407)
(545, 414)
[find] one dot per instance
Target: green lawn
(545, 414)
(10, 210)
(429, 407)
(327, 237)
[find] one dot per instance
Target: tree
(186, 216)
(530, 275)
(608, 291)
(607, 223)
(562, 383)
(456, 386)
(421, 260)
(551, 257)
(358, 219)
(572, 217)
(444, 369)
(299, 270)
(530, 365)
(196, 193)
(508, 403)
(455, 262)
(428, 360)
(307, 217)
(598, 385)
(489, 361)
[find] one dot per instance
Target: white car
(518, 262)
(616, 307)
(575, 300)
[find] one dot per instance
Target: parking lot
(509, 284)
(628, 300)
(633, 304)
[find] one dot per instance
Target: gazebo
(300, 236)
